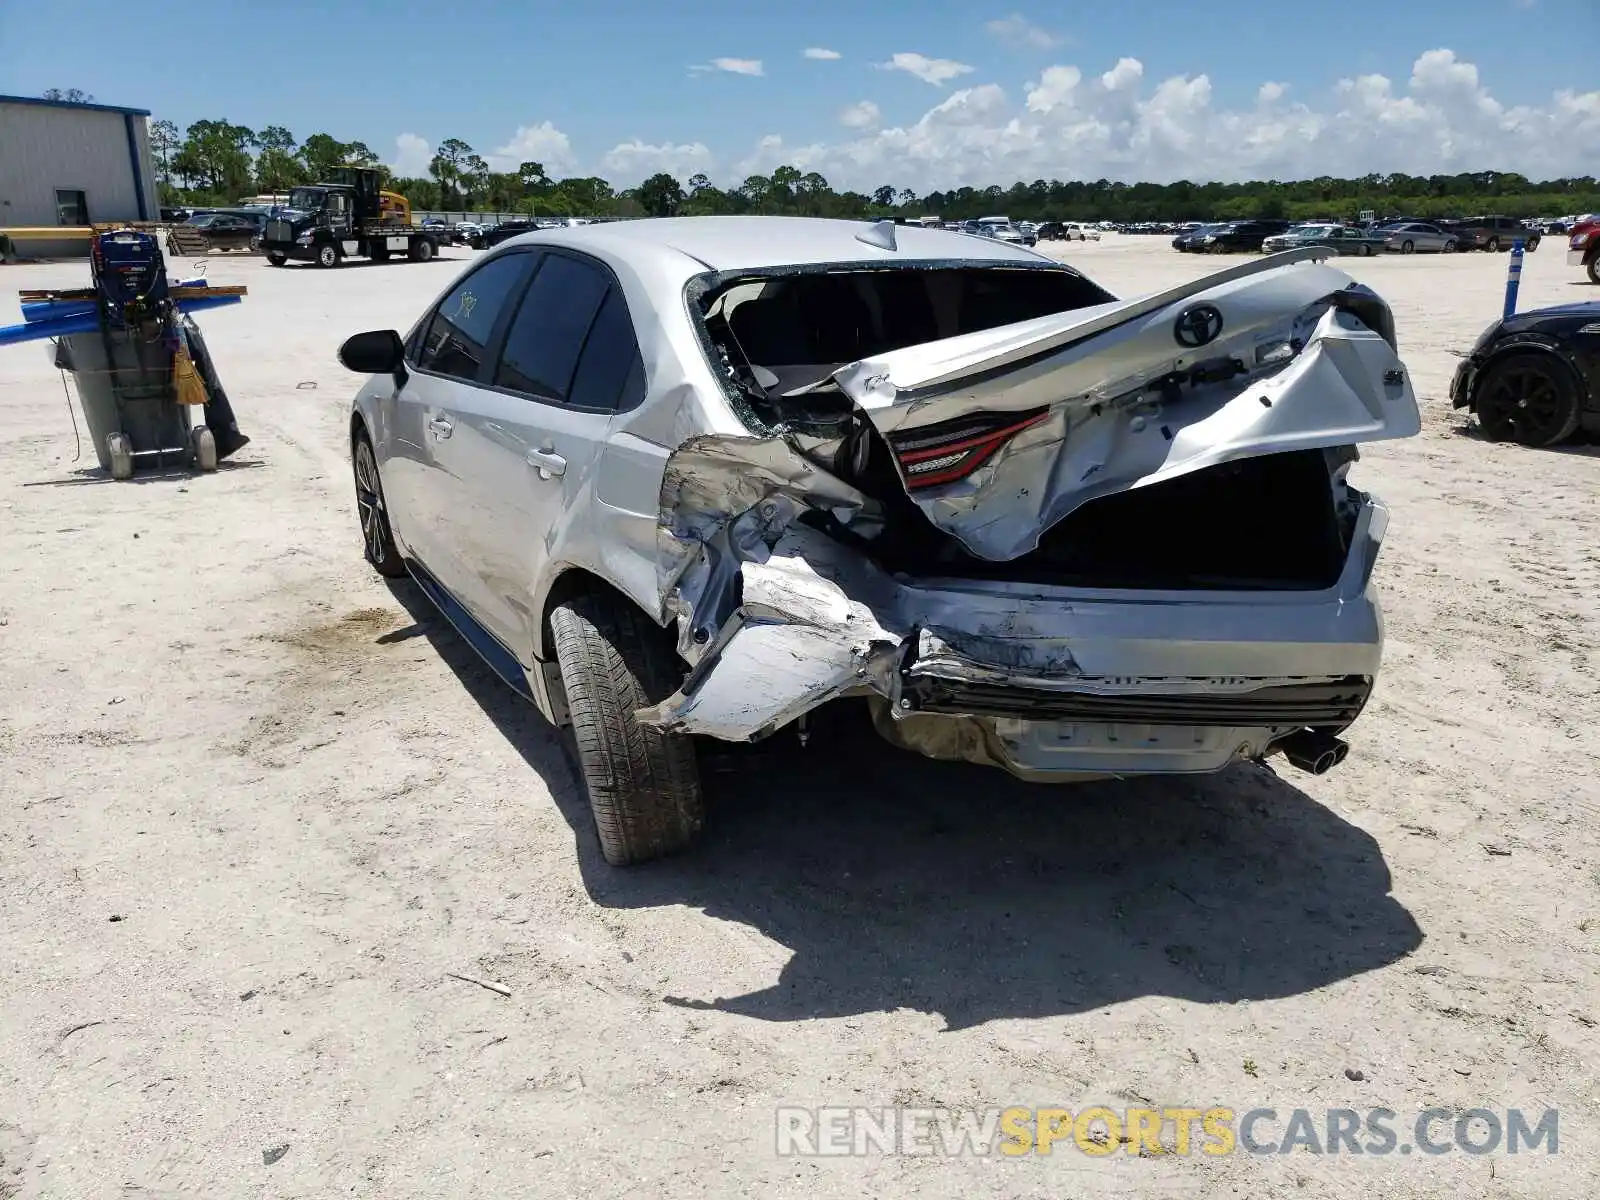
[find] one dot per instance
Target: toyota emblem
(1198, 325)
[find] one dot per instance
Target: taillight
(938, 454)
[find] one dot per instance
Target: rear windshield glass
(826, 320)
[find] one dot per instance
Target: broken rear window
(783, 335)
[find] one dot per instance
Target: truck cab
(349, 216)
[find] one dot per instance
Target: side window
(547, 334)
(459, 330)
(610, 374)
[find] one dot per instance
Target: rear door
(525, 446)
(445, 358)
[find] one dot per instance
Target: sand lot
(257, 805)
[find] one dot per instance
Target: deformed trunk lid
(1257, 359)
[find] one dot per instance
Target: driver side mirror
(379, 352)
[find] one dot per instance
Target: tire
(277, 258)
(377, 536)
(1492, 245)
(1448, 248)
(1531, 244)
(421, 250)
(327, 255)
(1366, 250)
(1530, 398)
(1592, 268)
(120, 451)
(205, 449)
(643, 783)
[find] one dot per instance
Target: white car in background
(1072, 231)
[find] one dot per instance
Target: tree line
(215, 162)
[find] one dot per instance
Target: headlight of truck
(303, 240)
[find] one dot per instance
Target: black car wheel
(1408, 246)
(1531, 399)
(643, 782)
(1493, 244)
(277, 258)
(1593, 268)
(1532, 244)
(377, 539)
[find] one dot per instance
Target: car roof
(755, 243)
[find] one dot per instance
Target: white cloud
(1017, 30)
(1100, 120)
(860, 116)
(412, 154)
(735, 66)
(541, 143)
(822, 55)
(1069, 123)
(937, 71)
(627, 163)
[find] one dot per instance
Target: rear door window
(547, 334)
(463, 325)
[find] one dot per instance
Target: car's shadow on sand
(902, 883)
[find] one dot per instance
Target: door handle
(550, 463)
(440, 427)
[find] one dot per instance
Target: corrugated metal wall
(43, 148)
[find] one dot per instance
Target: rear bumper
(1048, 684)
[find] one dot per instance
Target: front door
(452, 345)
(524, 448)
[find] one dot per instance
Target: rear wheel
(277, 258)
(1593, 269)
(1531, 399)
(1449, 247)
(643, 783)
(1492, 244)
(1408, 247)
(205, 449)
(377, 537)
(120, 451)
(421, 250)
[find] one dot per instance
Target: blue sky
(589, 77)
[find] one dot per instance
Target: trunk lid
(1000, 434)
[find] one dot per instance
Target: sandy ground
(257, 805)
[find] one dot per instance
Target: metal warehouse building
(69, 164)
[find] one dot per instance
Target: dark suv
(1490, 233)
(1238, 236)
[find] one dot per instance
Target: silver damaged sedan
(697, 477)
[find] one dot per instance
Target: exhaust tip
(1313, 751)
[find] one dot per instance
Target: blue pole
(1513, 278)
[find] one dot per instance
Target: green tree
(322, 154)
(68, 95)
(164, 143)
(661, 195)
(277, 168)
(217, 153)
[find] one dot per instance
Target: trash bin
(125, 387)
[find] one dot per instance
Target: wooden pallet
(33, 295)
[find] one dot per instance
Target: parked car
(1189, 240)
(1583, 245)
(1419, 237)
(1233, 237)
(1491, 233)
(1073, 231)
(1534, 377)
(495, 234)
(1050, 231)
(1341, 239)
(463, 232)
(225, 231)
(704, 476)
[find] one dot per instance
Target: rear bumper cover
(1048, 684)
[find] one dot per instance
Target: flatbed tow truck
(350, 216)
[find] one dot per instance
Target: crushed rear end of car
(1098, 538)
